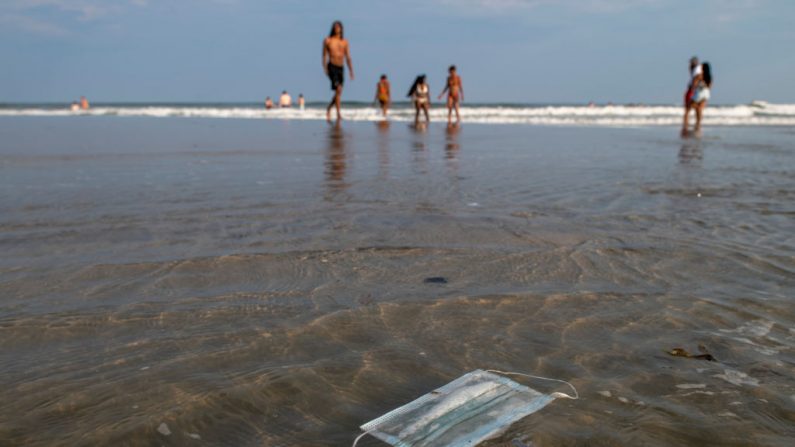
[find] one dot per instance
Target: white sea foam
(689, 386)
(756, 328)
(756, 114)
(737, 378)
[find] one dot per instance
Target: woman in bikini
(455, 94)
(421, 94)
(701, 92)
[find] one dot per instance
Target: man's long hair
(342, 29)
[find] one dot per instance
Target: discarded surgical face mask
(471, 409)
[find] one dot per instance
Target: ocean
(758, 113)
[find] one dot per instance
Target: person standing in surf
(420, 93)
(383, 94)
(285, 100)
(455, 94)
(701, 92)
(695, 71)
(336, 52)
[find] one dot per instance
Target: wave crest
(756, 114)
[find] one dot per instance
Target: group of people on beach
(285, 101)
(79, 105)
(336, 54)
(697, 93)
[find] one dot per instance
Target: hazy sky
(571, 51)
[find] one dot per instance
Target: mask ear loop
(359, 437)
(555, 394)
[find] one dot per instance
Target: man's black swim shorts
(336, 74)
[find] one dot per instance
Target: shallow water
(238, 282)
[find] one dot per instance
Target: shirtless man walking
(336, 53)
(455, 94)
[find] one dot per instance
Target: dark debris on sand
(435, 280)
(680, 352)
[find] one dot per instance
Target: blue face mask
(473, 408)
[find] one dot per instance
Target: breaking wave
(758, 113)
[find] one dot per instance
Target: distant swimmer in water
(268, 103)
(301, 101)
(421, 95)
(695, 71)
(701, 92)
(285, 100)
(455, 94)
(336, 52)
(84, 103)
(383, 94)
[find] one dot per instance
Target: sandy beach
(181, 281)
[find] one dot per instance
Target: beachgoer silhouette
(455, 94)
(421, 95)
(336, 52)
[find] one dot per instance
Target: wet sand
(238, 282)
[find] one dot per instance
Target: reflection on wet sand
(418, 128)
(383, 148)
(336, 159)
(419, 156)
(691, 152)
(451, 146)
